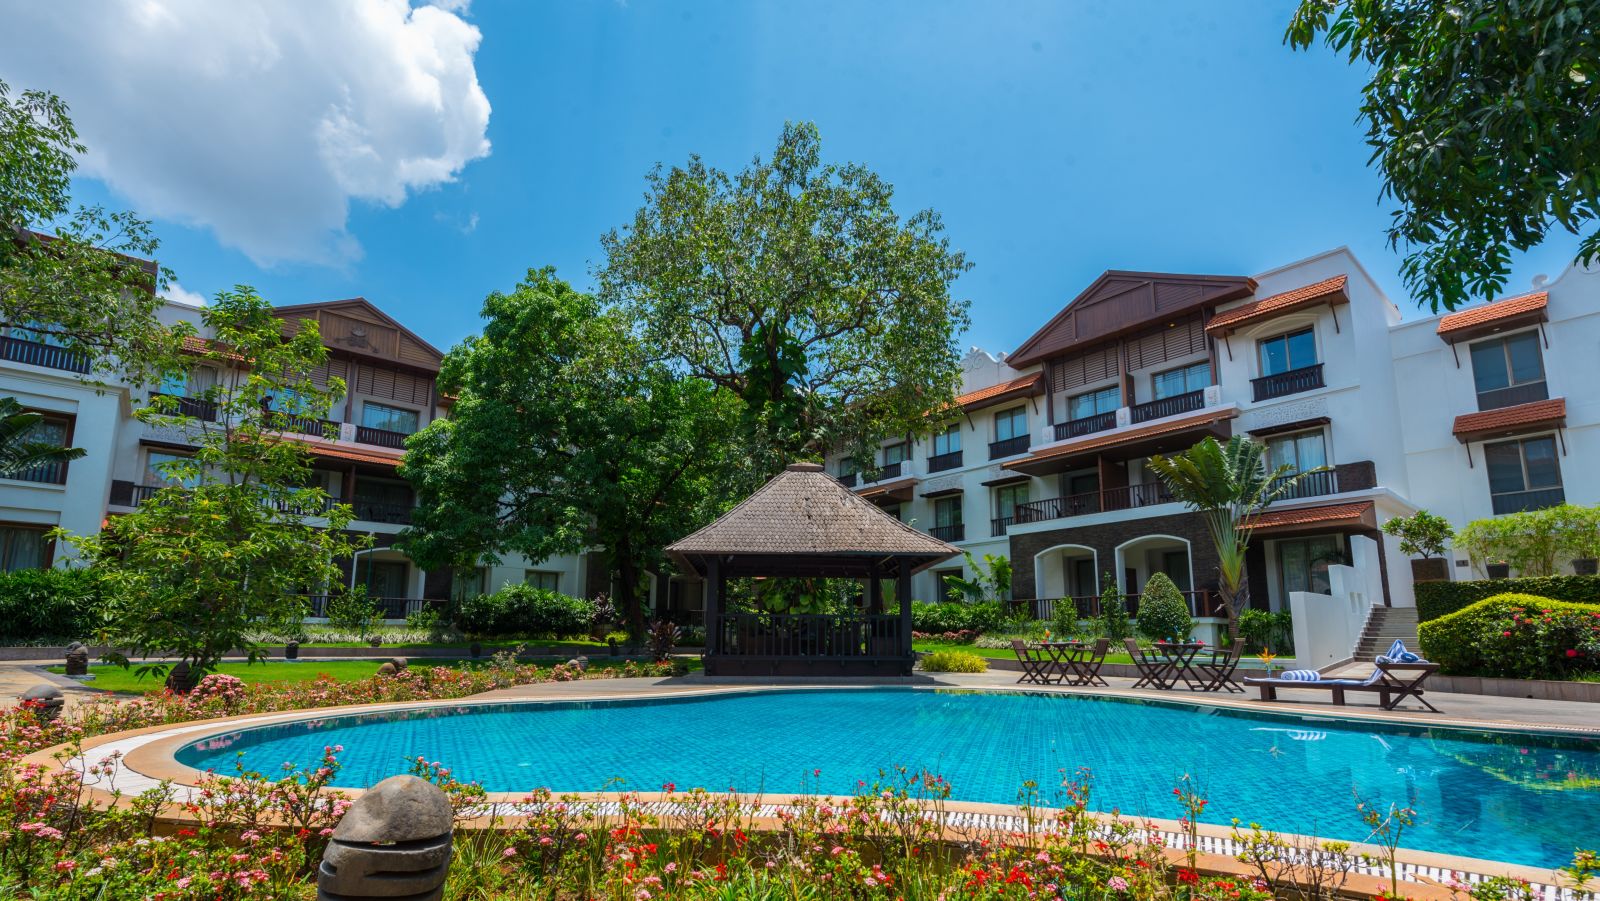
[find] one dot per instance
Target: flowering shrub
(962, 636)
(1515, 636)
(953, 662)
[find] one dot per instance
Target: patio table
(1179, 659)
(1061, 656)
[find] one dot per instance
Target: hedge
(1436, 599)
(1515, 636)
(39, 605)
(953, 616)
(523, 611)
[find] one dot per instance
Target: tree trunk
(628, 594)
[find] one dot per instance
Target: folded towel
(1301, 675)
(1398, 653)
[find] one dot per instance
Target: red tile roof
(1510, 308)
(338, 452)
(1507, 420)
(205, 345)
(1328, 291)
(1353, 515)
(1104, 439)
(1003, 391)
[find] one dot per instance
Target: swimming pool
(1519, 798)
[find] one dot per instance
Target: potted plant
(1578, 532)
(1425, 534)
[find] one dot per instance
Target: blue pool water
(1502, 796)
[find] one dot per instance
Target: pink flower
(1117, 884)
(511, 852)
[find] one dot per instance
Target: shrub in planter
(1515, 636)
(954, 662)
(39, 604)
(1163, 613)
(1425, 534)
(1435, 599)
(526, 611)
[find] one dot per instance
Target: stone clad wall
(1105, 537)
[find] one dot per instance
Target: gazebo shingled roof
(805, 513)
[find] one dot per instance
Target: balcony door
(1303, 563)
(1183, 380)
(1093, 403)
(1287, 352)
(385, 578)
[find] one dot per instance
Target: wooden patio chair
(1151, 671)
(1086, 668)
(1035, 665)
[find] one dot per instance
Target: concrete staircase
(1383, 627)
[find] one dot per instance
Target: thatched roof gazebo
(805, 524)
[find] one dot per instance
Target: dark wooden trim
(1296, 426)
(943, 492)
(1005, 480)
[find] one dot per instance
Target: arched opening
(1140, 558)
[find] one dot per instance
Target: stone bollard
(291, 650)
(43, 699)
(581, 662)
(394, 842)
(387, 669)
(77, 659)
(399, 663)
(476, 649)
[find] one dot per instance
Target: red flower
(1507, 634)
(1572, 652)
(1189, 876)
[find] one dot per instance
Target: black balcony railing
(886, 471)
(1306, 378)
(1537, 499)
(1088, 425)
(849, 480)
(957, 532)
(1009, 447)
(392, 608)
(824, 636)
(381, 437)
(1313, 484)
(305, 508)
(1125, 498)
(192, 407)
(1000, 524)
(942, 462)
(309, 425)
(35, 353)
(1516, 394)
(1169, 406)
(382, 511)
(42, 474)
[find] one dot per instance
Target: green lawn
(108, 677)
(999, 653)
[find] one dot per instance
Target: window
(896, 453)
(1006, 499)
(947, 512)
(1508, 371)
(1303, 563)
(192, 383)
(1083, 406)
(158, 470)
(1523, 474)
(23, 547)
(1182, 380)
(893, 510)
(947, 441)
(467, 583)
(384, 578)
(848, 467)
(1300, 451)
(390, 419)
(1296, 350)
(1012, 423)
(541, 579)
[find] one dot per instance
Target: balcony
(1200, 603)
(392, 608)
(849, 480)
(306, 425)
(1125, 498)
(1283, 384)
(957, 532)
(999, 525)
(1009, 447)
(1522, 501)
(1168, 406)
(942, 462)
(381, 437)
(35, 353)
(1088, 425)
(42, 474)
(382, 511)
(192, 407)
(1510, 397)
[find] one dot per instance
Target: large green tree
(1484, 118)
(795, 285)
(565, 435)
(71, 275)
(229, 549)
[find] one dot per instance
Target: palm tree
(1227, 484)
(18, 451)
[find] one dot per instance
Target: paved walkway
(17, 677)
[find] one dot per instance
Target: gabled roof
(357, 326)
(1539, 414)
(804, 512)
(1513, 311)
(1329, 291)
(1120, 302)
(1032, 383)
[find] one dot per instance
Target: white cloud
(179, 294)
(259, 119)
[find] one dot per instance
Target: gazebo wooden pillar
(805, 524)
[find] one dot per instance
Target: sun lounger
(1393, 679)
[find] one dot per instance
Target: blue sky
(1057, 139)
